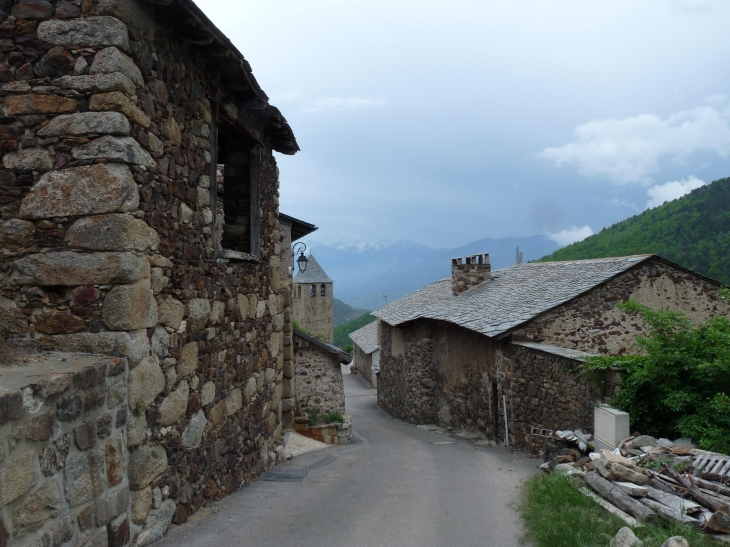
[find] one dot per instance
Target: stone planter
(337, 433)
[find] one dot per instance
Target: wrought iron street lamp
(301, 260)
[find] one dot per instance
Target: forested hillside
(693, 231)
(344, 312)
(342, 332)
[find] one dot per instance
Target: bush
(678, 384)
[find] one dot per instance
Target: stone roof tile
(366, 338)
(513, 296)
(314, 273)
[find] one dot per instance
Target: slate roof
(314, 273)
(366, 338)
(514, 295)
(343, 357)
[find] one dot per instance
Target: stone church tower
(313, 307)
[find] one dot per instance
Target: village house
(455, 351)
(366, 353)
(319, 384)
(147, 338)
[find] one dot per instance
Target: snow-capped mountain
(366, 273)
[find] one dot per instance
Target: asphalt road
(396, 485)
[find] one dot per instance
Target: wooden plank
(675, 502)
(628, 519)
(255, 205)
(632, 489)
(669, 514)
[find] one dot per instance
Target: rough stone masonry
(112, 115)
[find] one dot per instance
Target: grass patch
(331, 418)
(557, 514)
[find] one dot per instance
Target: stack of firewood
(646, 479)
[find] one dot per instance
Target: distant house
(466, 351)
(313, 306)
(366, 353)
(319, 385)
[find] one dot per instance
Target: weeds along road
(396, 485)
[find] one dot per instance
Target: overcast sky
(446, 122)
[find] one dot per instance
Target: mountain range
(369, 274)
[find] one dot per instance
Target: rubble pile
(645, 479)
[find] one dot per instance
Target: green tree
(678, 382)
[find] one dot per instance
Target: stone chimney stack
(469, 271)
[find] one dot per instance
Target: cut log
(675, 502)
(714, 486)
(663, 486)
(616, 496)
(633, 490)
(628, 519)
(669, 514)
(719, 521)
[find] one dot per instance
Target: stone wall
(361, 363)
(64, 468)
(542, 389)
(108, 243)
(469, 374)
(319, 382)
(593, 322)
(315, 314)
(406, 381)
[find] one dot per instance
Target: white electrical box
(610, 427)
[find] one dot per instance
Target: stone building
(319, 385)
(366, 353)
(291, 229)
(115, 116)
(313, 306)
(454, 351)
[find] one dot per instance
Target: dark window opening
(237, 209)
(313, 291)
(323, 290)
(299, 291)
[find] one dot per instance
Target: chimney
(469, 271)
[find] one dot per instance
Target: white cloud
(671, 190)
(566, 237)
(340, 103)
(628, 151)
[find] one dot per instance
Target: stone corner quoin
(168, 378)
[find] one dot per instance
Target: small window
(313, 291)
(299, 291)
(235, 188)
(323, 290)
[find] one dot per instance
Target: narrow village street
(397, 485)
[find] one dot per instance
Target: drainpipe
(506, 427)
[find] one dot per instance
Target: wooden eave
(246, 103)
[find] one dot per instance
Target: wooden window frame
(254, 190)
